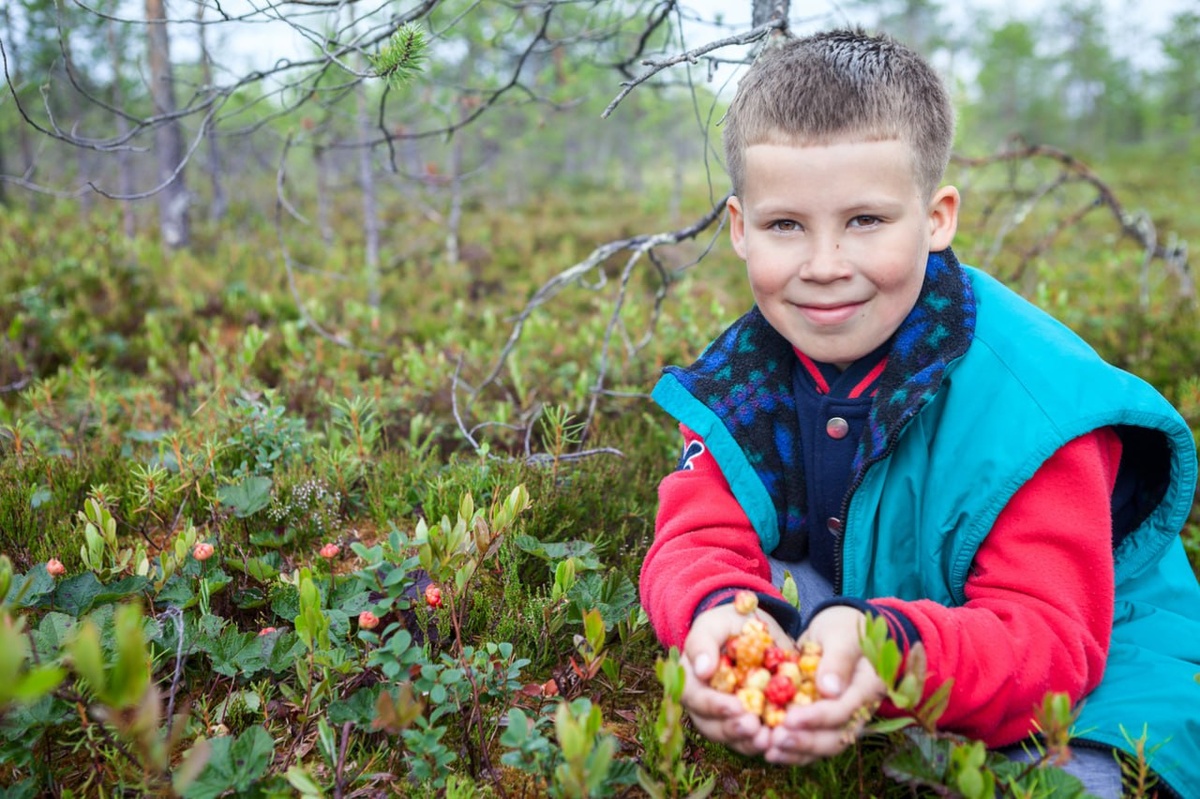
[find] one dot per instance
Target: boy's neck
(849, 381)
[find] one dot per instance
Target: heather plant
(182, 444)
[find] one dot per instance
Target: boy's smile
(835, 239)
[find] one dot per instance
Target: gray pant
(1095, 768)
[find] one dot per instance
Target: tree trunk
(454, 218)
(216, 211)
(125, 180)
(321, 162)
(24, 143)
(366, 182)
(173, 199)
(766, 10)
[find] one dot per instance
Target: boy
(910, 439)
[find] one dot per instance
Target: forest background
(327, 461)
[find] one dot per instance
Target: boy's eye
(864, 220)
(785, 225)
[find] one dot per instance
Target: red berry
(433, 596)
(780, 690)
(773, 657)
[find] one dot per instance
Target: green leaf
(582, 551)
(120, 589)
(25, 789)
(38, 682)
(29, 589)
(790, 591)
(885, 726)
(358, 708)
(262, 569)
(77, 595)
(285, 602)
(177, 591)
(236, 652)
(250, 755)
(52, 634)
(612, 596)
(971, 783)
(247, 497)
(302, 782)
(281, 650)
(922, 762)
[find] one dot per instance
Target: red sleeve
(703, 542)
(1039, 608)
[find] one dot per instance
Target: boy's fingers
(701, 700)
(743, 733)
(835, 671)
(864, 691)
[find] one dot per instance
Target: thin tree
(173, 200)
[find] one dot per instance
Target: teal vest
(919, 514)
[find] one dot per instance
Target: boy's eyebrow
(868, 205)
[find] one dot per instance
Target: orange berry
(724, 679)
(773, 715)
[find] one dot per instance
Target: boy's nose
(824, 262)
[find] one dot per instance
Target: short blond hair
(837, 85)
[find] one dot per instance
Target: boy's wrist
(784, 613)
(900, 628)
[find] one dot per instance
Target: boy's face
(835, 240)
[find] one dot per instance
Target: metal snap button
(837, 427)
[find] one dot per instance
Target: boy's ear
(943, 218)
(737, 225)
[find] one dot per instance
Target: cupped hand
(719, 716)
(850, 691)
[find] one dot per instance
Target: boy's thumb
(834, 673)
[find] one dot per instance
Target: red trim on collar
(813, 371)
(866, 382)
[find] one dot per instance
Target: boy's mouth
(829, 314)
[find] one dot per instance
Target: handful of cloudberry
(765, 677)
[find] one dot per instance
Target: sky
(261, 45)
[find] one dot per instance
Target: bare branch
(1133, 225)
(692, 57)
(637, 244)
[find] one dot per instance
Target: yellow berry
(757, 678)
(745, 602)
(773, 715)
(802, 698)
(752, 700)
